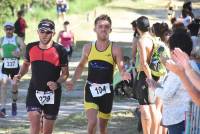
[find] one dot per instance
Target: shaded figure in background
(143, 56)
(194, 29)
(135, 40)
(12, 46)
(66, 38)
(61, 6)
(20, 25)
(171, 9)
(161, 31)
(134, 51)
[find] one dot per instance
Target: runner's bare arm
(143, 58)
(53, 85)
(83, 61)
(23, 70)
(118, 57)
(80, 67)
(64, 74)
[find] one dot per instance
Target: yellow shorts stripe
(89, 105)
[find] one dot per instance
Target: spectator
(135, 40)
(66, 38)
(62, 7)
(143, 56)
(20, 25)
(190, 78)
(171, 90)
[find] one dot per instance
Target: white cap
(8, 24)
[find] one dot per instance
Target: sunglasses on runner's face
(9, 29)
(46, 32)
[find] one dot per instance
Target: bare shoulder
(145, 42)
(116, 50)
(86, 49)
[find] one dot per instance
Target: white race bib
(67, 49)
(98, 90)
(10, 63)
(45, 97)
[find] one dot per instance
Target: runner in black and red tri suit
(47, 60)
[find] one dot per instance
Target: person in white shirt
(172, 91)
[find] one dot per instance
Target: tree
(9, 7)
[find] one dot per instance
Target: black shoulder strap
(59, 50)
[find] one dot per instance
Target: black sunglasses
(9, 29)
(46, 32)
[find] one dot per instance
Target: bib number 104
(98, 90)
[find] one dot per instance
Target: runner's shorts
(61, 8)
(10, 72)
(103, 104)
(142, 93)
(51, 110)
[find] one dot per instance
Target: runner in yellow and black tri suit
(99, 89)
(101, 58)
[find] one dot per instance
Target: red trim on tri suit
(49, 55)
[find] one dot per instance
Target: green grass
(81, 6)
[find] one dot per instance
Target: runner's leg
(3, 93)
(48, 126)
(103, 125)
(154, 119)
(34, 118)
(146, 119)
(92, 120)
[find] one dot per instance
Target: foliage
(80, 6)
(8, 7)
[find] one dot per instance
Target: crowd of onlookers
(179, 86)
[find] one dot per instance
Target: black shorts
(51, 110)
(10, 72)
(103, 104)
(61, 8)
(142, 93)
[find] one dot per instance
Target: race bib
(98, 90)
(67, 49)
(45, 97)
(10, 63)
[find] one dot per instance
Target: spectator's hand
(70, 85)
(181, 58)
(175, 67)
(52, 85)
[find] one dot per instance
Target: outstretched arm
(23, 70)
(80, 67)
(118, 56)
